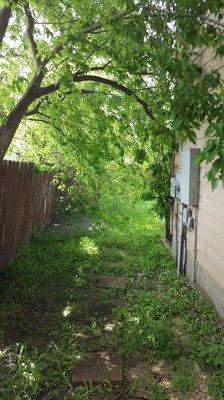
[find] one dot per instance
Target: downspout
(182, 243)
(180, 233)
(195, 265)
(183, 252)
(176, 226)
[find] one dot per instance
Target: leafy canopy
(116, 78)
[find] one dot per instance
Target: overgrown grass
(161, 319)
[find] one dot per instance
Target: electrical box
(189, 178)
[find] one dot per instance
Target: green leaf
(214, 184)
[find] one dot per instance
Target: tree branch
(109, 82)
(35, 110)
(5, 14)
(89, 91)
(30, 35)
(101, 67)
(87, 30)
(46, 122)
(176, 15)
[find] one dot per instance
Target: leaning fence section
(27, 201)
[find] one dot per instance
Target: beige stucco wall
(205, 246)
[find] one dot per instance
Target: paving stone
(110, 281)
(99, 311)
(142, 283)
(99, 367)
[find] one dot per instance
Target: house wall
(205, 244)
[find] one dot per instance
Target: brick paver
(100, 311)
(99, 367)
(110, 281)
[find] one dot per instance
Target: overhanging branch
(101, 67)
(30, 34)
(35, 110)
(98, 79)
(48, 122)
(118, 86)
(5, 14)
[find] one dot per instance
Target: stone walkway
(106, 365)
(105, 360)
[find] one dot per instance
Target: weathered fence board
(27, 201)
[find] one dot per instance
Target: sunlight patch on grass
(68, 310)
(88, 246)
(109, 327)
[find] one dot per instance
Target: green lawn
(169, 335)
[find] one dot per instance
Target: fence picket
(27, 200)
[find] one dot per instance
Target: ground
(59, 308)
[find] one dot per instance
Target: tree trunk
(5, 14)
(8, 129)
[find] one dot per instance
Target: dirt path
(101, 315)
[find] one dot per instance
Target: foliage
(185, 382)
(113, 79)
(84, 184)
(155, 391)
(184, 378)
(213, 356)
(142, 332)
(158, 187)
(216, 390)
(122, 183)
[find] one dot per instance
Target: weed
(155, 391)
(184, 379)
(184, 382)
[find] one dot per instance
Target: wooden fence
(26, 204)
